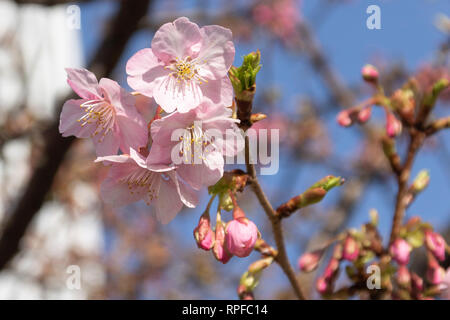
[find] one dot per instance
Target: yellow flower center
(185, 70)
(100, 113)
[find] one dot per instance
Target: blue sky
(407, 35)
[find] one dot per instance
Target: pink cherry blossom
(196, 142)
(240, 236)
(400, 251)
(184, 64)
(146, 106)
(130, 179)
(280, 16)
(436, 244)
(106, 113)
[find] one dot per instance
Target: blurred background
(51, 216)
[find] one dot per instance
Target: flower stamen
(142, 181)
(101, 113)
(185, 70)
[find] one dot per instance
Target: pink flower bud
(435, 273)
(369, 73)
(240, 236)
(219, 250)
(351, 249)
(203, 233)
(436, 244)
(309, 261)
(331, 269)
(344, 118)
(322, 285)
(364, 115)
(403, 276)
(400, 251)
(393, 125)
(417, 282)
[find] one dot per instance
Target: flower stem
(403, 176)
(281, 257)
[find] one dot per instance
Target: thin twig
(416, 141)
(281, 257)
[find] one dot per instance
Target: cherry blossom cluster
(185, 73)
(410, 108)
(166, 141)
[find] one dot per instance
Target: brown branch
(123, 26)
(440, 124)
(401, 202)
(307, 198)
(281, 258)
(392, 155)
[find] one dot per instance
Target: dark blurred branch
(111, 48)
(17, 126)
(281, 257)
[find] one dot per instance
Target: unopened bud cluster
(359, 249)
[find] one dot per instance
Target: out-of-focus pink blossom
(240, 234)
(281, 17)
(351, 249)
(436, 244)
(400, 251)
(262, 14)
(205, 135)
(428, 75)
(184, 64)
(130, 179)
(106, 113)
(274, 121)
(203, 234)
